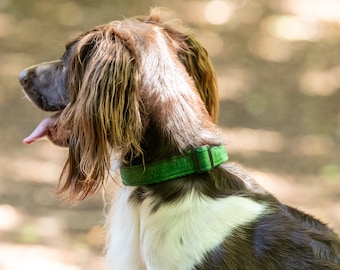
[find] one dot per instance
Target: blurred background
(278, 68)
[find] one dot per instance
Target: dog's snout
(23, 77)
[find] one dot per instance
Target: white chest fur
(177, 235)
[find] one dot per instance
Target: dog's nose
(23, 77)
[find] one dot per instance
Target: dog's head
(98, 88)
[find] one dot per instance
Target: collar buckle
(202, 159)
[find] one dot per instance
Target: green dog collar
(199, 160)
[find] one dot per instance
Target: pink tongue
(40, 131)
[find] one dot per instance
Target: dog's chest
(178, 235)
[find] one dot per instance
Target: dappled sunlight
(42, 162)
(325, 10)
(277, 184)
(215, 12)
(242, 140)
(278, 69)
(287, 189)
(49, 227)
(32, 258)
(29, 230)
(10, 218)
(291, 28)
(40, 257)
(271, 49)
(233, 84)
(218, 11)
(313, 145)
(213, 42)
(196, 14)
(320, 82)
(246, 140)
(31, 170)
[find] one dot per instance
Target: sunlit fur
(141, 91)
(105, 113)
(177, 235)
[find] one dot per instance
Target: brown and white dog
(145, 91)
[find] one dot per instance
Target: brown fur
(146, 90)
(110, 118)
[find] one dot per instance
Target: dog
(143, 92)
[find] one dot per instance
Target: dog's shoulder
(281, 238)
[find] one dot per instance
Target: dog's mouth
(48, 128)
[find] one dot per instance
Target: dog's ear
(198, 64)
(103, 113)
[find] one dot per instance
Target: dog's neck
(176, 117)
(173, 129)
(199, 160)
(175, 126)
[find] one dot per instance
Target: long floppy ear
(196, 60)
(103, 113)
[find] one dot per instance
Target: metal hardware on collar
(195, 161)
(202, 158)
